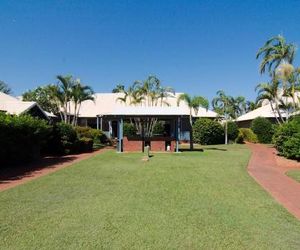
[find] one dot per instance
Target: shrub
(159, 128)
(22, 138)
(286, 139)
(85, 144)
(240, 138)
(232, 131)
(96, 135)
(263, 128)
(63, 139)
(247, 135)
(207, 132)
(129, 129)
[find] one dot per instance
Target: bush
(208, 132)
(129, 129)
(263, 128)
(22, 138)
(63, 139)
(96, 135)
(287, 139)
(232, 131)
(85, 144)
(246, 134)
(159, 128)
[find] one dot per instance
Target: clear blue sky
(196, 47)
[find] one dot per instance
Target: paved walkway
(269, 170)
(14, 176)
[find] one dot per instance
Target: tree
(274, 52)
(79, 94)
(118, 89)
(250, 106)
(4, 88)
(269, 92)
(148, 93)
(44, 96)
(224, 106)
(64, 94)
(194, 103)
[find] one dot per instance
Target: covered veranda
(168, 142)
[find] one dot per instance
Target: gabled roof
(14, 106)
(264, 111)
(109, 104)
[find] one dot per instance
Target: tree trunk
(226, 132)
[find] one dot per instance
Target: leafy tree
(194, 103)
(4, 88)
(119, 89)
(44, 96)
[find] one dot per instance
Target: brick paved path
(269, 171)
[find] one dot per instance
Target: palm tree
(119, 89)
(79, 94)
(239, 106)
(194, 103)
(5, 88)
(274, 52)
(64, 94)
(224, 106)
(250, 106)
(270, 92)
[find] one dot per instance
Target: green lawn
(294, 174)
(192, 200)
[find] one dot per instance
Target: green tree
(44, 96)
(118, 89)
(5, 88)
(194, 103)
(79, 94)
(224, 105)
(274, 52)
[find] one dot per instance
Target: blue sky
(196, 47)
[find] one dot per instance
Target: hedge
(208, 132)
(263, 128)
(22, 138)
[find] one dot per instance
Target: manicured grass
(191, 200)
(294, 174)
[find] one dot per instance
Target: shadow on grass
(191, 150)
(19, 171)
(214, 148)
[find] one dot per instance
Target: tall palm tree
(224, 106)
(5, 88)
(250, 106)
(194, 103)
(64, 94)
(79, 94)
(239, 106)
(274, 52)
(270, 92)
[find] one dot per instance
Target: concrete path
(269, 170)
(14, 176)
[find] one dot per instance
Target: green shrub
(159, 128)
(286, 139)
(247, 135)
(85, 144)
(240, 138)
(208, 132)
(96, 135)
(129, 129)
(232, 131)
(63, 139)
(263, 128)
(22, 138)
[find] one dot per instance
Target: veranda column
(120, 135)
(97, 122)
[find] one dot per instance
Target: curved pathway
(269, 171)
(40, 168)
